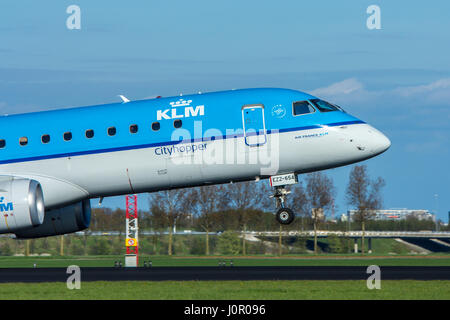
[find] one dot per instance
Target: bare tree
(320, 192)
(242, 196)
(298, 201)
(365, 195)
(206, 200)
(168, 206)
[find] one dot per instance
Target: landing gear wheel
(285, 216)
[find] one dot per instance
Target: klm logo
(5, 207)
(176, 111)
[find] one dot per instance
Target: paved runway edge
(222, 273)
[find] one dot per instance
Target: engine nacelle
(21, 204)
(72, 218)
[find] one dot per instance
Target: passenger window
(67, 136)
(89, 133)
(133, 128)
(45, 138)
(323, 106)
(2, 143)
(155, 126)
(112, 131)
(302, 107)
(177, 123)
(23, 141)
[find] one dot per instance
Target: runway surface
(223, 273)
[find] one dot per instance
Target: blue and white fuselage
(149, 145)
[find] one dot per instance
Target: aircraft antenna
(124, 99)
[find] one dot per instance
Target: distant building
(344, 217)
(393, 214)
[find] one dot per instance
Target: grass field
(164, 261)
(239, 290)
(230, 290)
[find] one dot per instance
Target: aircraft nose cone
(384, 143)
(380, 143)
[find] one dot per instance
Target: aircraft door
(254, 125)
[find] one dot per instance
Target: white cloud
(347, 92)
(425, 107)
(436, 86)
(352, 91)
(343, 87)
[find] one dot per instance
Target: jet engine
(21, 204)
(68, 219)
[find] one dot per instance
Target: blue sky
(396, 78)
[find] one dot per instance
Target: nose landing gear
(284, 215)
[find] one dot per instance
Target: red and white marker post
(131, 241)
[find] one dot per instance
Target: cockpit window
(302, 107)
(323, 106)
(340, 108)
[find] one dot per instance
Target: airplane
(53, 162)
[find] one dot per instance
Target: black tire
(285, 216)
